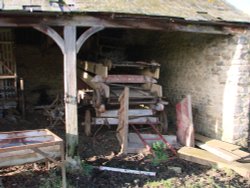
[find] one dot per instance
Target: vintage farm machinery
(105, 81)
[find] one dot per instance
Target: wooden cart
(107, 81)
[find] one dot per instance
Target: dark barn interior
(148, 71)
(190, 64)
(124, 93)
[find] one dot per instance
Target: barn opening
(211, 68)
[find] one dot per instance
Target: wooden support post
(70, 91)
(69, 47)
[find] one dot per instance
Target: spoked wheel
(87, 123)
(163, 121)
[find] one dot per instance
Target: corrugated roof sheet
(196, 10)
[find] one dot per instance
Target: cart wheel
(164, 121)
(87, 123)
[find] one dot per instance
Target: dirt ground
(102, 150)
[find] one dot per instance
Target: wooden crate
(20, 147)
(29, 146)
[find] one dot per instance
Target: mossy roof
(194, 10)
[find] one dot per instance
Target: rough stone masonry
(215, 71)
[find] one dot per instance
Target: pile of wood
(219, 154)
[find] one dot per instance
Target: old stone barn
(203, 49)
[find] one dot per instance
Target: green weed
(160, 155)
(162, 183)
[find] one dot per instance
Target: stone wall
(214, 70)
(42, 71)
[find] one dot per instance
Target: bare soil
(101, 150)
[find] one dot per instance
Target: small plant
(162, 183)
(86, 168)
(159, 150)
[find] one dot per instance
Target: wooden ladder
(159, 138)
(123, 128)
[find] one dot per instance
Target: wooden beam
(124, 78)
(131, 113)
(136, 120)
(52, 33)
(70, 91)
(84, 36)
(216, 143)
(224, 154)
(129, 21)
(151, 138)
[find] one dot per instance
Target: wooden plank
(135, 93)
(136, 148)
(224, 146)
(17, 147)
(3, 77)
(216, 143)
(228, 156)
(122, 129)
(115, 121)
(206, 158)
(46, 149)
(240, 153)
(95, 68)
(131, 113)
(23, 159)
(21, 141)
(70, 92)
(29, 156)
(26, 133)
(150, 139)
(22, 147)
(124, 79)
(185, 129)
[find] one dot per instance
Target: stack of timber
(218, 153)
(107, 81)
